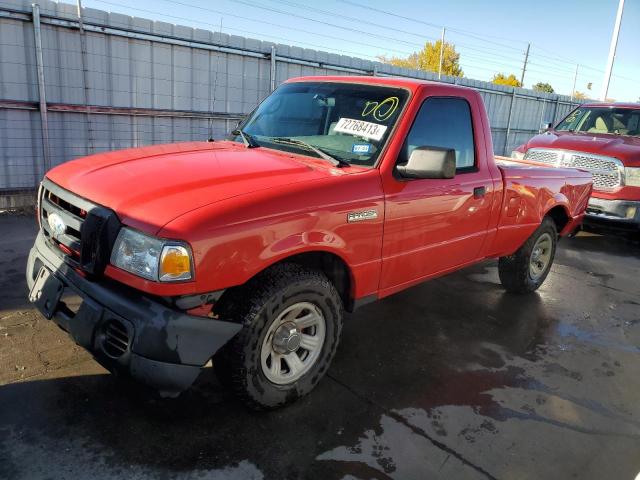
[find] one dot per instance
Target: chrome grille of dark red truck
(606, 171)
(543, 156)
(80, 230)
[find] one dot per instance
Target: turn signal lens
(175, 264)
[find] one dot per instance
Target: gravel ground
(450, 379)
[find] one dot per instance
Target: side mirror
(430, 162)
(546, 127)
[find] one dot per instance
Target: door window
(443, 122)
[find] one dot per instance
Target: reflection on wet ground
(451, 379)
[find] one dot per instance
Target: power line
(457, 30)
(354, 30)
(244, 18)
(502, 65)
(386, 27)
(353, 19)
(485, 50)
(235, 29)
(477, 36)
(503, 61)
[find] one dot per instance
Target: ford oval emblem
(56, 223)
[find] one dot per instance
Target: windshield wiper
(247, 139)
(336, 162)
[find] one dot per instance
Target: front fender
(233, 241)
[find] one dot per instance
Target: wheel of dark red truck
(527, 269)
(292, 319)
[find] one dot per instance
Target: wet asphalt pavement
(450, 379)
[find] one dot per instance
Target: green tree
(502, 79)
(543, 87)
(579, 95)
(428, 59)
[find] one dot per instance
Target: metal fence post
(555, 110)
(544, 107)
(506, 137)
(85, 78)
(273, 59)
(44, 122)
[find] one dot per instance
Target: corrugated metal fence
(71, 86)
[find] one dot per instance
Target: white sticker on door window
(360, 128)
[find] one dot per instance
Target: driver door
(435, 225)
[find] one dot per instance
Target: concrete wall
(133, 81)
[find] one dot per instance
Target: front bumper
(125, 330)
(613, 214)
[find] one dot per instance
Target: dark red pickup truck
(604, 139)
(334, 192)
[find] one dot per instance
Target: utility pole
(575, 79)
(524, 67)
(612, 52)
(441, 54)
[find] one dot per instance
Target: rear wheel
(292, 319)
(527, 269)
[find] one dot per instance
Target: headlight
(632, 176)
(517, 155)
(151, 258)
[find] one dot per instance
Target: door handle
(479, 192)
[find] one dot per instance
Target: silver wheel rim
(293, 343)
(540, 256)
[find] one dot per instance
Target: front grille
(606, 171)
(115, 342)
(543, 156)
(68, 239)
(80, 231)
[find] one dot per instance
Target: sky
(491, 36)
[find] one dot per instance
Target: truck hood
(150, 186)
(624, 148)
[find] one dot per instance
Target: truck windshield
(616, 121)
(346, 121)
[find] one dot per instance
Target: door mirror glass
(546, 127)
(429, 162)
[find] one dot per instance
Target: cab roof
(412, 84)
(612, 105)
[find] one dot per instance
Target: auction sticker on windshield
(368, 130)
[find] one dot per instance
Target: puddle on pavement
(600, 339)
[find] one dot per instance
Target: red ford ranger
(603, 138)
(334, 192)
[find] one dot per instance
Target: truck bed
(531, 190)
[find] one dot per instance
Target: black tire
(515, 273)
(257, 305)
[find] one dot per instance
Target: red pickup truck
(603, 138)
(334, 192)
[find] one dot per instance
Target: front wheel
(292, 319)
(527, 269)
